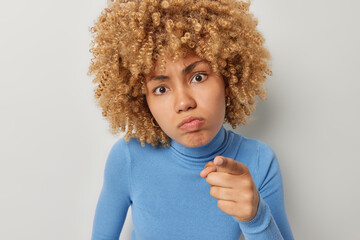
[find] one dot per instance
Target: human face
(188, 88)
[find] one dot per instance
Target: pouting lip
(189, 119)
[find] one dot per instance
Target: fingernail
(220, 161)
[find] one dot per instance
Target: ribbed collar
(205, 152)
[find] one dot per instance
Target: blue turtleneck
(169, 199)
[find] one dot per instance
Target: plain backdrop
(54, 141)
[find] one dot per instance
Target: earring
(227, 101)
(152, 121)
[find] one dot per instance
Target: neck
(204, 152)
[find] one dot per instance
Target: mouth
(191, 123)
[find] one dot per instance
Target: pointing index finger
(229, 165)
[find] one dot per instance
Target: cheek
(159, 109)
(218, 106)
(213, 101)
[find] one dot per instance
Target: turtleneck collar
(205, 152)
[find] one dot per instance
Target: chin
(196, 139)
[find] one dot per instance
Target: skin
(232, 184)
(172, 96)
(180, 95)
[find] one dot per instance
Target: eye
(160, 90)
(199, 77)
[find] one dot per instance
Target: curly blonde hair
(130, 36)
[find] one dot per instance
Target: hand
(232, 183)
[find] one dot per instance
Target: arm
(271, 220)
(114, 199)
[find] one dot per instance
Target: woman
(169, 74)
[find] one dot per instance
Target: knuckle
(246, 168)
(247, 211)
(207, 165)
(247, 183)
(214, 191)
(220, 204)
(248, 196)
(208, 179)
(211, 176)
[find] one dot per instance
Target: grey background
(54, 141)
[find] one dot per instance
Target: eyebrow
(185, 71)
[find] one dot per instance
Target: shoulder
(132, 150)
(120, 153)
(257, 155)
(123, 155)
(121, 145)
(119, 149)
(250, 146)
(118, 156)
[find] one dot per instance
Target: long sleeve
(271, 220)
(166, 193)
(114, 199)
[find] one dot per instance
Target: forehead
(181, 62)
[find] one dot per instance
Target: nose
(184, 101)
